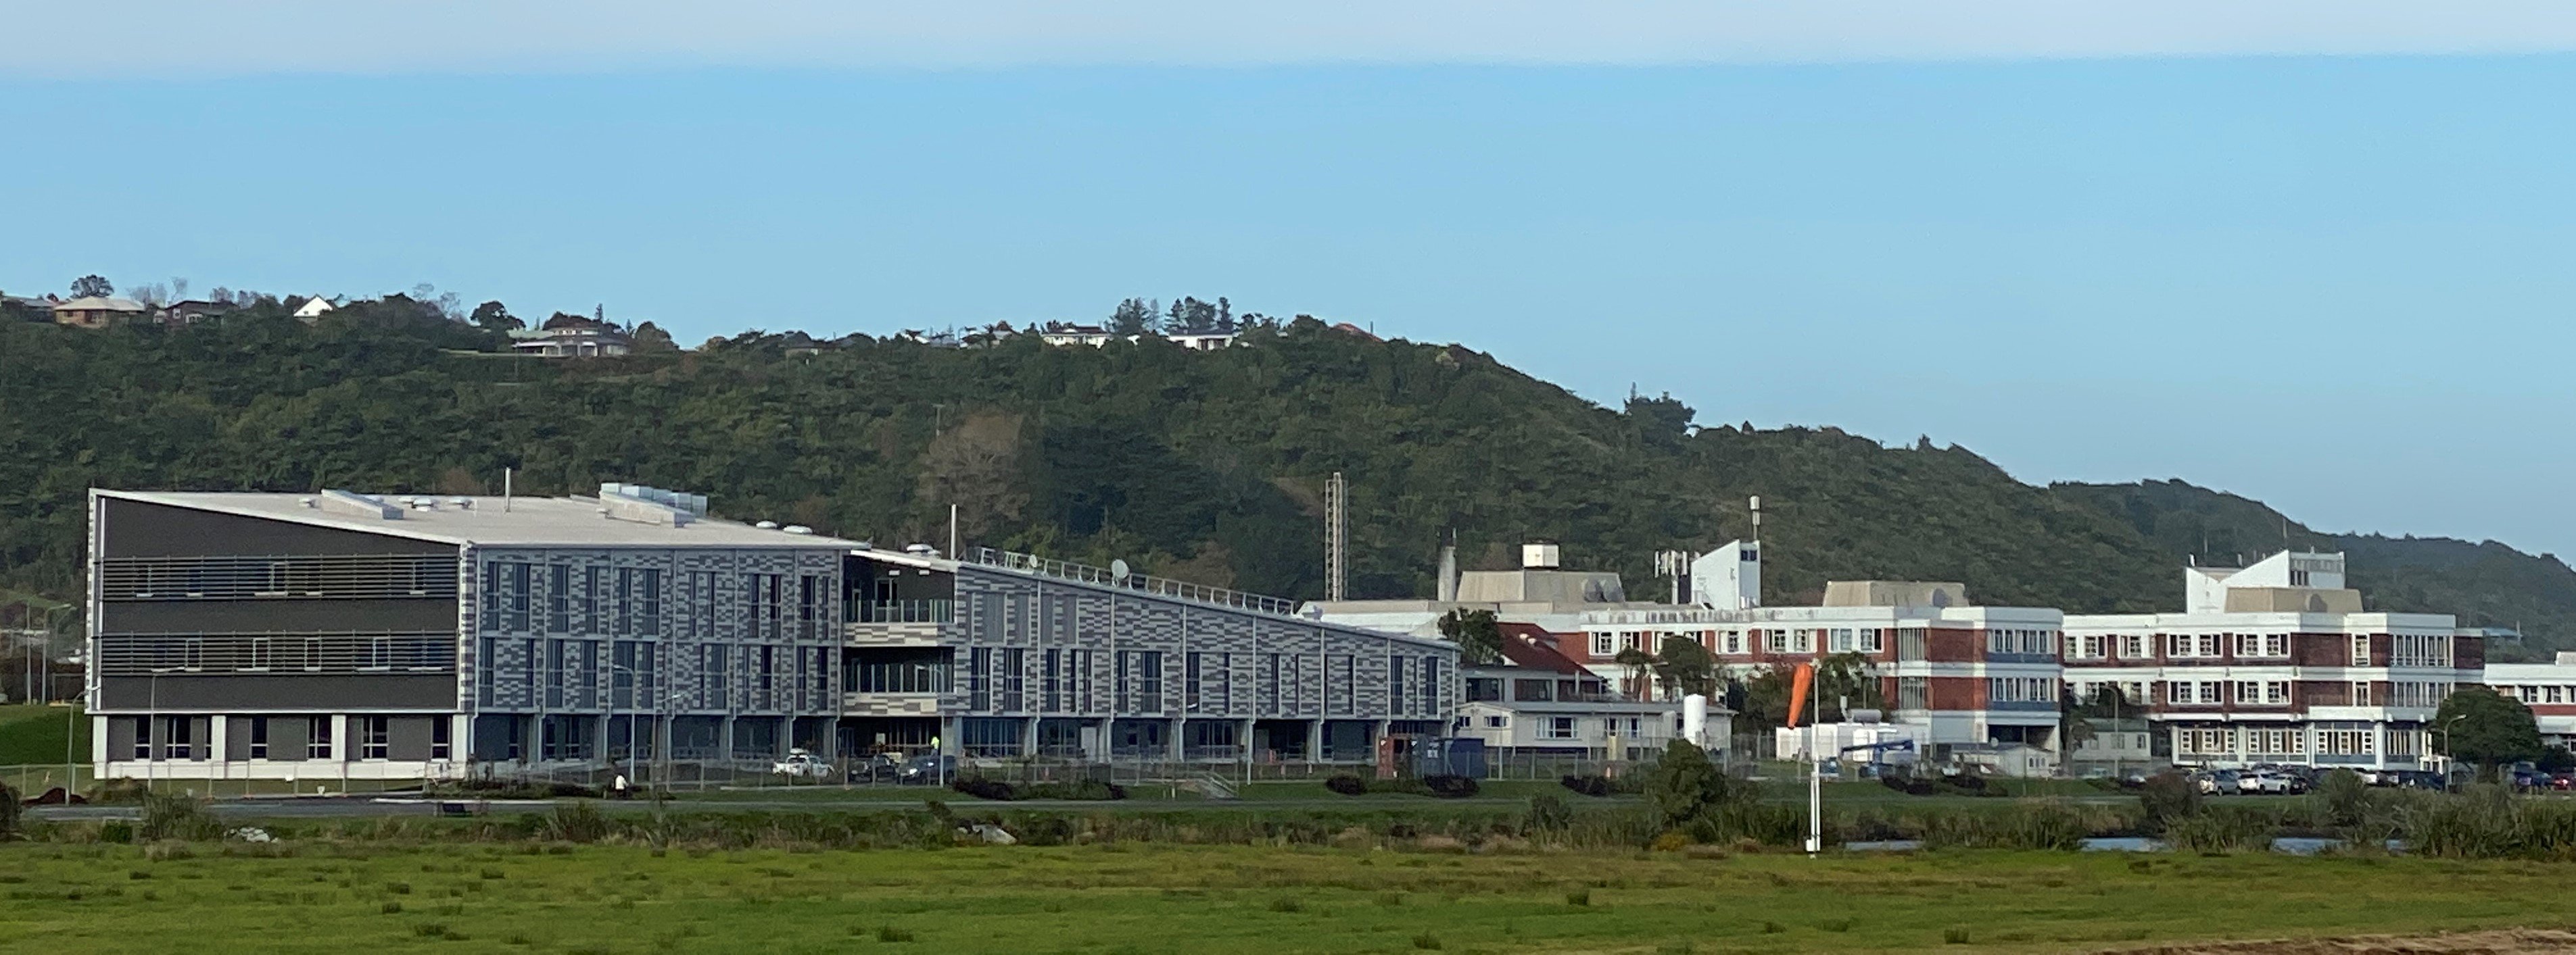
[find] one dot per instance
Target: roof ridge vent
(355, 504)
(627, 507)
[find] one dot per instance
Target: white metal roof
(524, 521)
(95, 303)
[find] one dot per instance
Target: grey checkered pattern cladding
(1031, 645)
(679, 631)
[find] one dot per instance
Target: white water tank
(1695, 720)
(1541, 557)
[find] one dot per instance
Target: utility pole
(1337, 531)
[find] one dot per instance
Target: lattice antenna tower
(1337, 535)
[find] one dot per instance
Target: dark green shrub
(10, 811)
(1548, 813)
(1347, 785)
(983, 788)
(2168, 796)
(169, 816)
(2232, 829)
(2344, 797)
(1451, 787)
(578, 822)
(1599, 785)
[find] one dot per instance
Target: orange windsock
(1804, 681)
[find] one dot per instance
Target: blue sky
(2338, 283)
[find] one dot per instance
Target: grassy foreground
(34, 735)
(315, 897)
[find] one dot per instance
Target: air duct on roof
(694, 504)
(355, 504)
(629, 508)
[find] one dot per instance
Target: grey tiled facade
(286, 636)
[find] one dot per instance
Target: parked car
(2219, 783)
(2263, 784)
(927, 770)
(800, 764)
(880, 768)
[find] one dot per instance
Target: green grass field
(33, 735)
(1145, 899)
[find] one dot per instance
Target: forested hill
(2486, 584)
(1205, 466)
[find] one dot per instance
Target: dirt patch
(2518, 941)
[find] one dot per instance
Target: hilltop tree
(1134, 316)
(92, 286)
(651, 338)
(1664, 421)
(495, 317)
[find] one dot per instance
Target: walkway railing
(1158, 586)
(899, 611)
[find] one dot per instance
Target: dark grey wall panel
(252, 694)
(140, 529)
(279, 616)
(408, 737)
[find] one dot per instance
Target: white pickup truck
(800, 764)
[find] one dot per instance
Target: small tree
(2484, 728)
(1684, 786)
(1845, 679)
(1478, 636)
(2168, 796)
(651, 338)
(496, 318)
(1684, 664)
(1134, 316)
(1638, 663)
(92, 286)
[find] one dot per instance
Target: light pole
(634, 692)
(2449, 760)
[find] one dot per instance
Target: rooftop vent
(359, 505)
(694, 504)
(627, 507)
(797, 529)
(767, 525)
(923, 549)
(461, 503)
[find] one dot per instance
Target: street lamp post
(635, 688)
(2449, 760)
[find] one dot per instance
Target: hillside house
(94, 311)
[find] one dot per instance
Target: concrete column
(1029, 736)
(340, 737)
(1243, 739)
(1314, 740)
(217, 736)
(724, 740)
(1179, 744)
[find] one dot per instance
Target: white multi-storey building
(2278, 662)
(2548, 688)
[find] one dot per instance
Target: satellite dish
(1118, 570)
